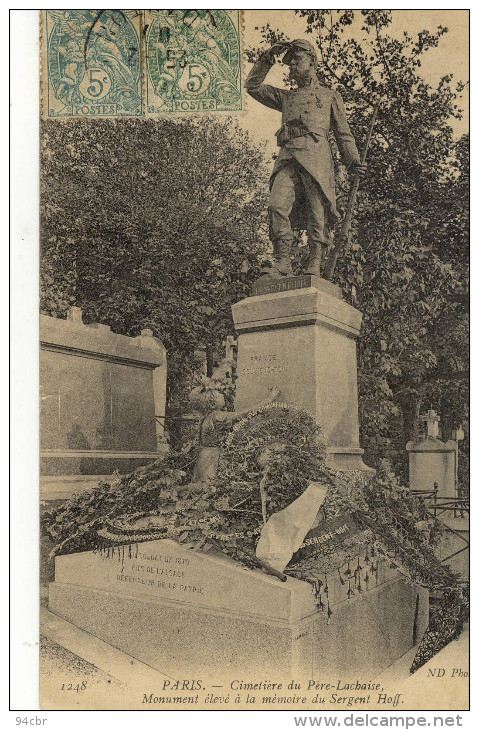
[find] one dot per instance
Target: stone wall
(102, 403)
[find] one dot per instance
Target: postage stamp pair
(134, 63)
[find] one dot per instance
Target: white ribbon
(285, 531)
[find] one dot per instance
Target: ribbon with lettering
(326, 535)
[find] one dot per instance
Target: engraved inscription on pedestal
(162, 569)
(262, 364)
(269, 285)
(192, 611)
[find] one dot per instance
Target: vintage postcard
(254, 401)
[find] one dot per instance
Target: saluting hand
(278, 48)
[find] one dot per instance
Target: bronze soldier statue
(302, 190)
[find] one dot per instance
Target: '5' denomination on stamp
(92, 63)
(193, 61)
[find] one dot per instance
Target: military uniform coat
(319, 110)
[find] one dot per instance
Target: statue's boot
(317, 255)
(282, 261)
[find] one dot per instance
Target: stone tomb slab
(187, 613)
(162, 569)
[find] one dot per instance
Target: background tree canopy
(152, 224)
(163, 224)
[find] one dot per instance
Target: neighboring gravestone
(432, 461)
(102, 403)
(300, 337)
(433, 465)
(190, 614)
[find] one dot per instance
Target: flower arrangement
(267, 461)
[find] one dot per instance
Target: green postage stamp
(91, 63)
(134, 63)
(193, 61)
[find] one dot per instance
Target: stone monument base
(297, 335)
(190, 614)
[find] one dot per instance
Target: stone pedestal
(190, 614)
(432, 461)
(303, 341)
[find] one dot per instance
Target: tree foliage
(152, 224)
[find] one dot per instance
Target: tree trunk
(447, 422)
(410, 404)
(209, 361)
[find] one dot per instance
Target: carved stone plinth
(303, 341)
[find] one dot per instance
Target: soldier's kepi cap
(300, 45)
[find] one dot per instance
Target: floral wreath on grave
(279, 448)
(268, 459)
(276, 450)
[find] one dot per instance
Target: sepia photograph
(254, 360)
